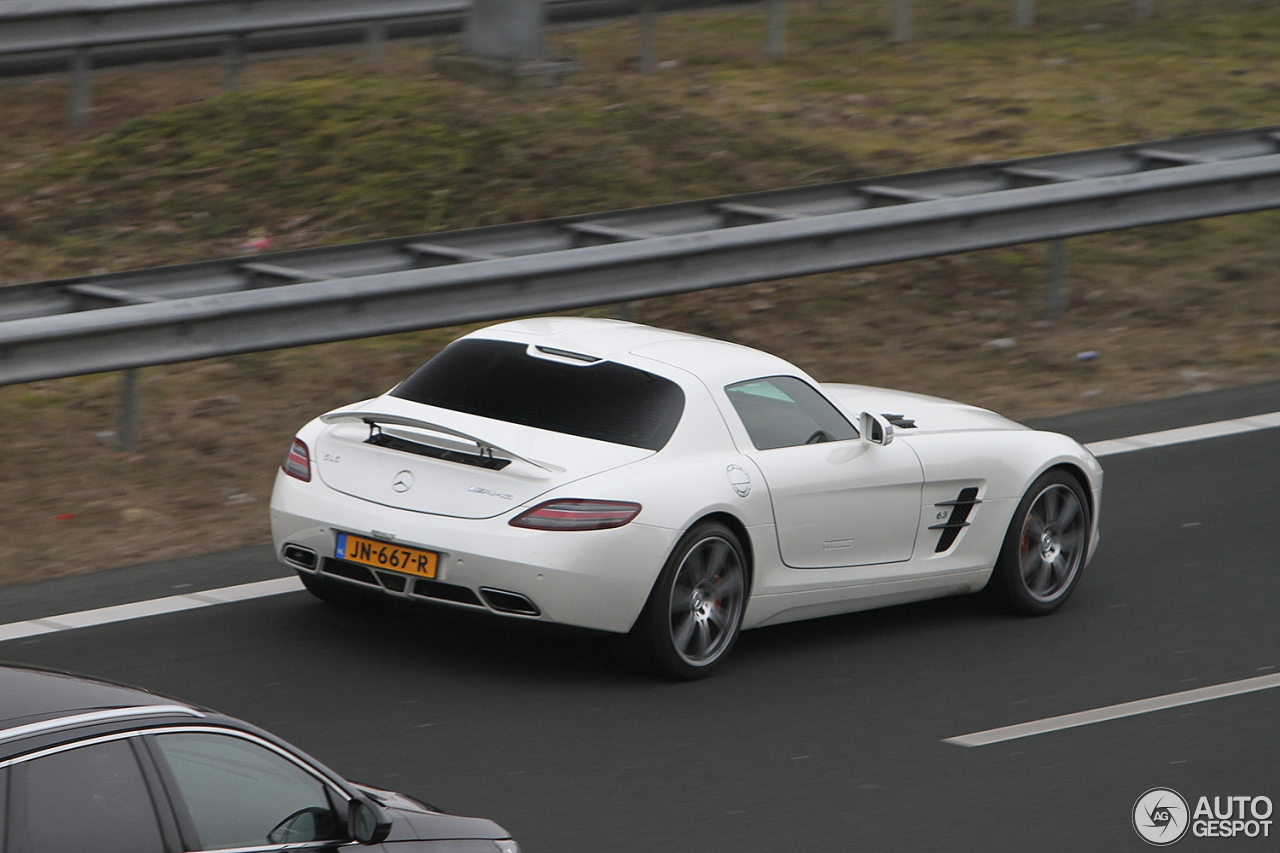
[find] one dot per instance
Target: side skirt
(793, 606)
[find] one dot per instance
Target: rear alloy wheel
(695, 611)
(1045, 548)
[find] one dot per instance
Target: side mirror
(367, 823)
(875, 428)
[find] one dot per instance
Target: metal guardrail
(126, 320)
(42, 36)
(43, 26)
(29, 27)
(77, 36)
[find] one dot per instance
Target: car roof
(597, 337)
(40, 706)
(30, 693)
(638, 345)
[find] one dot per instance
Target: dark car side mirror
(367, 823)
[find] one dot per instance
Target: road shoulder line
(150, 607)
(1182, 435)
(1116, 712)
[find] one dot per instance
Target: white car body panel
(845, 503)
(870, 505)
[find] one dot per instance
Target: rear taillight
(298, 461)
(575, 514)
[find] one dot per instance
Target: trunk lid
(442, 462)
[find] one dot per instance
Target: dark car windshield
(500, 380)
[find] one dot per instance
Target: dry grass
(322, 149)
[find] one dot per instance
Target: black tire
(339, 593)
(1045, 548)
(694, 613)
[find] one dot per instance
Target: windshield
(500, 380)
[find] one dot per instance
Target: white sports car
(631, 479)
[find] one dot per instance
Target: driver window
(236, 793)
(783, 411)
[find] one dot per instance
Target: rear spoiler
(376, 419)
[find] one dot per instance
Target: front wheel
(695, 611)
(1045, 547)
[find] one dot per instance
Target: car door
(837, 500)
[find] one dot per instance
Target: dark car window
(500, 380)
(236, 793)
(783, 411)
(92, 798)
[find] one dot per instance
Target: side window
(238, 794)
(88, 798)
(783, 411)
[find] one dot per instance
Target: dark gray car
(92, 767)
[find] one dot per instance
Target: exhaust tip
(504, 601)
(299, 556)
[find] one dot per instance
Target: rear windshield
(500, 380)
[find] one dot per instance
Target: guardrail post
(1143, 8)
(775, 37)
(375, 39)
(505, 37)
(1055, 294)
(233, 61)
(504, 30)
(127, 419)
(901, 20)
(81, 69)
(648, 36)
(1024, 13)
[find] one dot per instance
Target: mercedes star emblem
(403, 481)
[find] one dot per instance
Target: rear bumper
(592, 579)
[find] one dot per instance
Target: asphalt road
(824, 735)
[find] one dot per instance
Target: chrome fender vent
(957, 520)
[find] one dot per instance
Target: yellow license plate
(382, 555)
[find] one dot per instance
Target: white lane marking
(1182, 435)
(1115, 712)
(153, 607)
(244, 592)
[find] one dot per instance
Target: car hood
(415, 821)
(931, 414)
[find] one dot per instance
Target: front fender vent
(957, 520)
